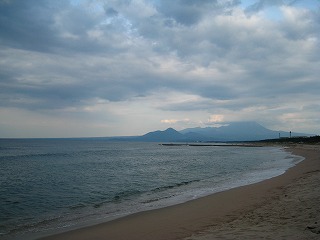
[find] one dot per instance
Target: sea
(53, 185)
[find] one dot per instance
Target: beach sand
(291, 213)
(284, 207)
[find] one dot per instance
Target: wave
(129, 194)
(118, 198)
(156, 199)
(32, 226)
(77, 206)
(125, 195)
(163, 188)
(34, 155)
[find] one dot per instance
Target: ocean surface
(50, 185)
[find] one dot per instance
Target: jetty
(209, 145)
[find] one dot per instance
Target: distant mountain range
(236, 131)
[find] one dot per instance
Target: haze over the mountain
(235, 131)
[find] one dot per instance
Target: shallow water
(51, 184)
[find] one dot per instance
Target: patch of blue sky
(76, 2)
(271, 10)
(273, 13)
(247, 3)
(310, 4)
(93, 6)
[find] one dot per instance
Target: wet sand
(284, 207)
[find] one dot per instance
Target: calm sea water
(49, 185)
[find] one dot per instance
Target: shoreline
(197, 217)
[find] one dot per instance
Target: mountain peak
(170, 130)
(167, 135)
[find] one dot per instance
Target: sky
(86, 68)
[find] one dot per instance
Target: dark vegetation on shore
(302, 140)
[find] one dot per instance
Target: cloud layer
(123, 67)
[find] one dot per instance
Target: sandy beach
(284, 207)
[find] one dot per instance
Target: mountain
(235, 131)
(163, 136)
(239, 131)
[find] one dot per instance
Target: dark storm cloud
(29, 24)
(55, 26)
(191, 12)
(185, 12)
(209, 55)
(62, 28)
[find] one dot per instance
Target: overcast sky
(126, 67)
